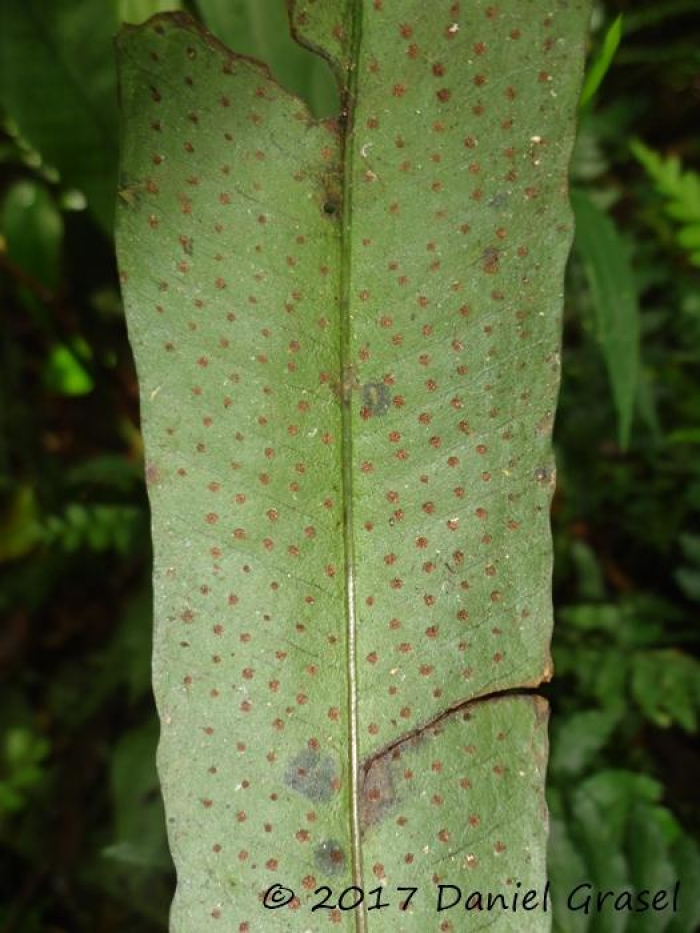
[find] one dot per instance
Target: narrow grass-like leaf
(615, 303)
(347, 336)
(600, 65)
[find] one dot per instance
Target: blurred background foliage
(82, 843)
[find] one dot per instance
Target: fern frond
(680, 189)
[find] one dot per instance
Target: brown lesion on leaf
(377, 792)
(153, 476)
(490, 259)
(378, 796)
(348, 383)
(331, 194)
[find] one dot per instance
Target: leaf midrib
(354, 27)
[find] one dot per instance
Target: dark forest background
(82, 843)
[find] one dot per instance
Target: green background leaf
(32, 231)
(617, 836)
(54, 71)
(260, 28)
(614, 297)
(138, 11)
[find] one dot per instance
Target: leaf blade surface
(347, 344)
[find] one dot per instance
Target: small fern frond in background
(680, 190)
(97, 528)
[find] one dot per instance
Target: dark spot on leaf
(329, 856)
(330, 208)
(498, 200)
(312, 774)
(376, 398)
